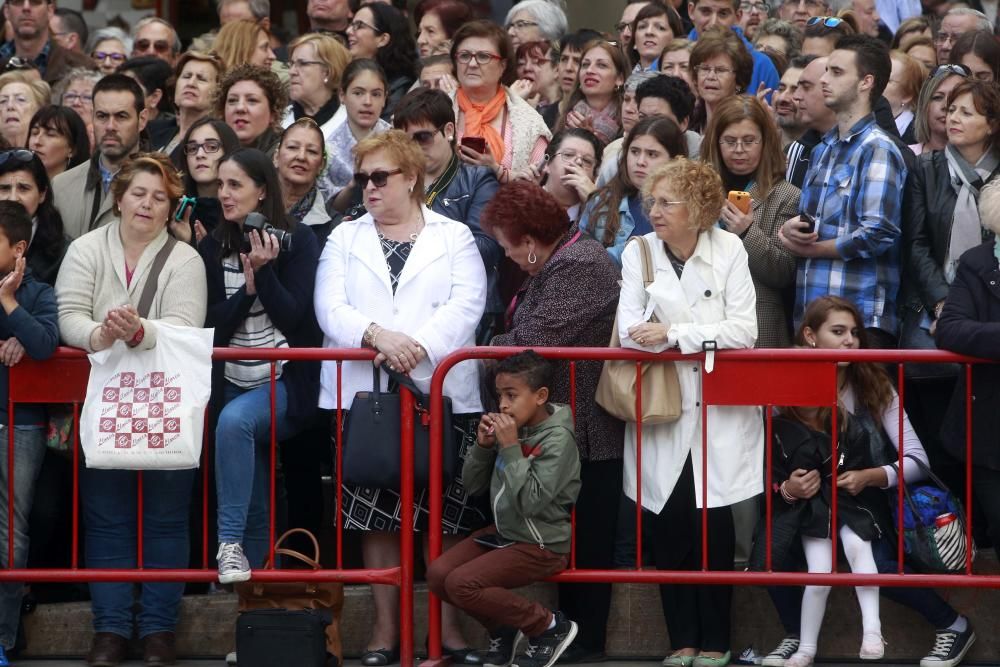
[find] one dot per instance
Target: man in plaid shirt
(853, 190)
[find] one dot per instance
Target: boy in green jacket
(527, 458)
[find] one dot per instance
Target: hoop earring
(532, 257)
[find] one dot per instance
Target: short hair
(491, 31)
(451, 13)
(651, 11)
(157, 164)
(575, 41)
(871, 56)
(921, 126)
(268, 81)
(261, 9)
(73, 75)
(671, 89)
(552, 22)
(396, 57)
(913, 74)
(434, 60)
(40, 91)
(236, 42)
(541, 49)
(695, 182)
(199, 57)
(636, 79)
(576, 133)
(789, 32)
(981, 44)
(121, 83)
(73, 21)
(67, 123)
(985, 99)
(230, 144)
(989, 206)
(676, 44)
(333, 54)
(802, 61)
(15, 221)
(400, 149)
(984, 21)
(307, 123)
(175, 47)
(914, 41)
(423, 105)
(771, 169)
(532, 368)
(914, 25)
(358, 67)
(735, 3)
(107, 34)
(522, 208)
(721, 41)
(153, 73)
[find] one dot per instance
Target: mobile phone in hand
(477, 144)
(740, 200)
(810, 223)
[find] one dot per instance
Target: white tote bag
(145, 409)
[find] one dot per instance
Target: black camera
(259, 222)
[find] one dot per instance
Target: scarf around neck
(478, 118)
(966, 227)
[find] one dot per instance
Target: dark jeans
(109, 512)
(596, 527)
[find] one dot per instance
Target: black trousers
(596, 527)
(697, 616)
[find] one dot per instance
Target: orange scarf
(478, 118)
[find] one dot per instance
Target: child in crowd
(527, 458)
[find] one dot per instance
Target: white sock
(552, 623)
(961, 624)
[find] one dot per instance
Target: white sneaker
(233, 565)
(231, 658)
(785, 650)
(872, 647)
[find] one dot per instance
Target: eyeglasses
(18, 155)
(648, 203)
(945, 37)
(299, 64)
(828, 21)
(101, 56)
(160, 45)
(425, 137)
(958, 70)
(718, 70)
(482, 57)
(622, 26)
(811, 4)
(520, 25)
(378, 178)
(744, 143)
(74, 98)
(573, 156)
(209, 146)
(22, 3)
(361, 25)
(761, 7)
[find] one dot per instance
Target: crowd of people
(702, 175)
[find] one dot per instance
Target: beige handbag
(661, 389)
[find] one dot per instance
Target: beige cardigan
(92, 281)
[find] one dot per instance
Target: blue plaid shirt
(41, 61)
(854, 189)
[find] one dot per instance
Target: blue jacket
(35, 324)
(596, 228)
(764, 70)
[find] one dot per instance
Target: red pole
(572, 516)
(75, 557)
(899, 477)
(139, 512)
(768, 493)
(638, 465)
(204, 492)
(10, 484)
(833, 480)
(406, 410)
(274, 459)
(968, 468)
(704, 482)
(339, 461)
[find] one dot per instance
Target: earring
(532, 257)
(411, 189)
(326, 79)
(812, 343)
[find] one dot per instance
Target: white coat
(714, 299)
(439, 301)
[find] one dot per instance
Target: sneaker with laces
(503, 644)
(233, 565)
(4, 662)
(544, 649)
(949, 648)
(785, 650)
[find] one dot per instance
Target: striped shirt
(256, 330)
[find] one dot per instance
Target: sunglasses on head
(160, 45)
(378, 178)
(959, 70)
(828, 21)
(18, 155)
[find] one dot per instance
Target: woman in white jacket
(411, 284)
(702, 291)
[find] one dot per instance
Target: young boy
(527, 458)
(28, 324)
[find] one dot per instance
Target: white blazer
(714, 299)
(327, 128)
(439, 301)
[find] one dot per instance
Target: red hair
(523, 208)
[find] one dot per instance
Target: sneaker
(785, 650)
(502, 648)
(799, 660)
(4, 662)
(233, 565)
(872, 647)
(231, 658)
(545, 649)
(949, 648)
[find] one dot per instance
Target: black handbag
(268, 637)
(371, 437)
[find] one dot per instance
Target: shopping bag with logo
(145, 409)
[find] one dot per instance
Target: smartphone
(186, 203)
(741, 200)
(477, 144)
(493, 541)
(810, 223)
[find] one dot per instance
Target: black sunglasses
(378, 178)
(425, 137)
(19, 154)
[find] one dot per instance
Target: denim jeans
(110, 540)
(243, 464)
(29, 452)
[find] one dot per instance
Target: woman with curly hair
(252, 101)
(381, 33)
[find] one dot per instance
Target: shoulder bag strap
(149, 289)
(648, 275)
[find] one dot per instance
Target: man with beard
(331, 16)
(33, 43)
(81, 193)
(786, 110)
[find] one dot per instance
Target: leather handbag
(323, 599)
(661, 388)
(371, 438)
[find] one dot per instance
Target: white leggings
(818, 556)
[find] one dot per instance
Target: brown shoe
(107, 650)
(158, 649)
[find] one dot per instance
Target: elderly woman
(437, 21)
(510, 135)
(204, 145)
(932, 108)
(743, 146)
(100, 283)
(684, 201)
(409, 283)
(315, 67)
(569, 300)
(537, 79)
(109, 47)
(243, 42)
(534, 20)
(76, 91)
(259, 295)
(777, 36)
(196, 80)
(676, 60)
(381, 33)
(252, 101)
(454, 189)
(596, 103)
(59, 138)
(300, 159)
(722, 68)
(902, 91)
(654, 27)
(20, 97)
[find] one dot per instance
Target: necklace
(413, 236)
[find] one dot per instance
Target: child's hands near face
(11, 283)
(505, 430)
(484, 434)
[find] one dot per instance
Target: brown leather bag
(295, 596)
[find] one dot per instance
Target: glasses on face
(746, 143)
(579, 158)
(945, 37)
(77, 98)
(30, 3)
(622, 26)
(520, 25)
(718, 70)
(300, 63)
(378, 178)
(361, 25)
(160, 45)
(828, 21)
(958, 70)
(209, 146)
(760, 7)
(101, 56)
(809, 4)
(482, 57)
(18, 155)
(649, 203)
(424, 137)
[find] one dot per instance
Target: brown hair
(913, 76)
(236, 42)
(694, 182)
(985, 99)
(912, 26)
(333, 54)
(651, 11)
(491, 31)
(268, 81)
(197, 56)
(723, 42)
(730, 111)
(401, 150)
(156, 164)
(622, 69)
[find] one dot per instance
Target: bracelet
(371, 333)
(137, 338)
(789, 498)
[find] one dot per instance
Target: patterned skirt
(373, 508)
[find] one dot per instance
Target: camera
(259, 222)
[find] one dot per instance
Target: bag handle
(921, 530)
(149, 289)
(646, 256)
(311, 562)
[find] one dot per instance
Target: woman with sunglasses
(315, 66)
(300, 159)
(76, 91)
(408, 283)
(59, 138)
(109, 47)
(381, 33)
(932, 108)
(204, 145)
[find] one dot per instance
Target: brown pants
(476, 579)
